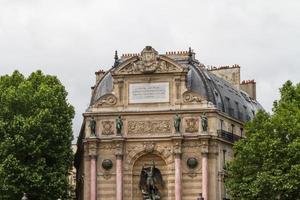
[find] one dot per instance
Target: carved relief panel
(149, 127)
(107, 127)
(191, 125)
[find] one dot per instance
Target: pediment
(148, 62)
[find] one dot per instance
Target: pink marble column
(177, 177)
(119, 177)
(205, 176)
(93, 178)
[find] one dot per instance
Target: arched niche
(146, 160)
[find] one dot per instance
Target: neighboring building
(174, 111)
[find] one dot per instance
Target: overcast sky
(74, 38)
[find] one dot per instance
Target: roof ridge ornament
(116, 59)
(148, 60)
(190, 54)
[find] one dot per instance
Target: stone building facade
(133, 119)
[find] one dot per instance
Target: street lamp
(24, 197)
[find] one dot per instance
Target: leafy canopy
(35, 137)
(267, 162)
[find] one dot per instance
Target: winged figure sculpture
(150, 178)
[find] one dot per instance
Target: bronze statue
(177, 121)
(150, 178)
(119, 125)
(204, 122)
(92, 126)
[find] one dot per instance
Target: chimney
(99, 74)
(232, 74)
(249, 86)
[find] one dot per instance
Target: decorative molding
(134, 151)
(106, 175)
(119, 148)
(177, 147)
(107, 127)
(204, 147)
(92, 149)
(191, 173)
(191, 97)
(192, 125)
(149, 127)
(107, 146)
(106, 100)
(148, 62)
(149, 147)
(191, 144)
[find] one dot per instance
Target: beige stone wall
(135, 154)
(191, 178)
(230, 74)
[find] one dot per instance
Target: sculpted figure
(150, 178)
(119, 125)
(92, 126)
(204, 122)
(177, 121)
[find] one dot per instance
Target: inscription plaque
(148, 92)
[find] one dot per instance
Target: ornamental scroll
(149, 127)
(107, 100)
(191, 97)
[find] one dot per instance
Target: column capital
(119, 156)
(119, 147)
(92, 148)
(177, 147)
(204, 146)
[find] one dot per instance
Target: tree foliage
(267, 162)
(35, 137)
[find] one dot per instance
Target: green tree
(35, 137)
(267, 163)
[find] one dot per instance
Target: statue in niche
(177, 121)
(150, 178)
(119, 125)
(204, 122)
(92, 126)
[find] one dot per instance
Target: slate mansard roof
(222, 94)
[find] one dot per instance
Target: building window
(221, 124)
(224, 158)
(241, 129)
(230, 109)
